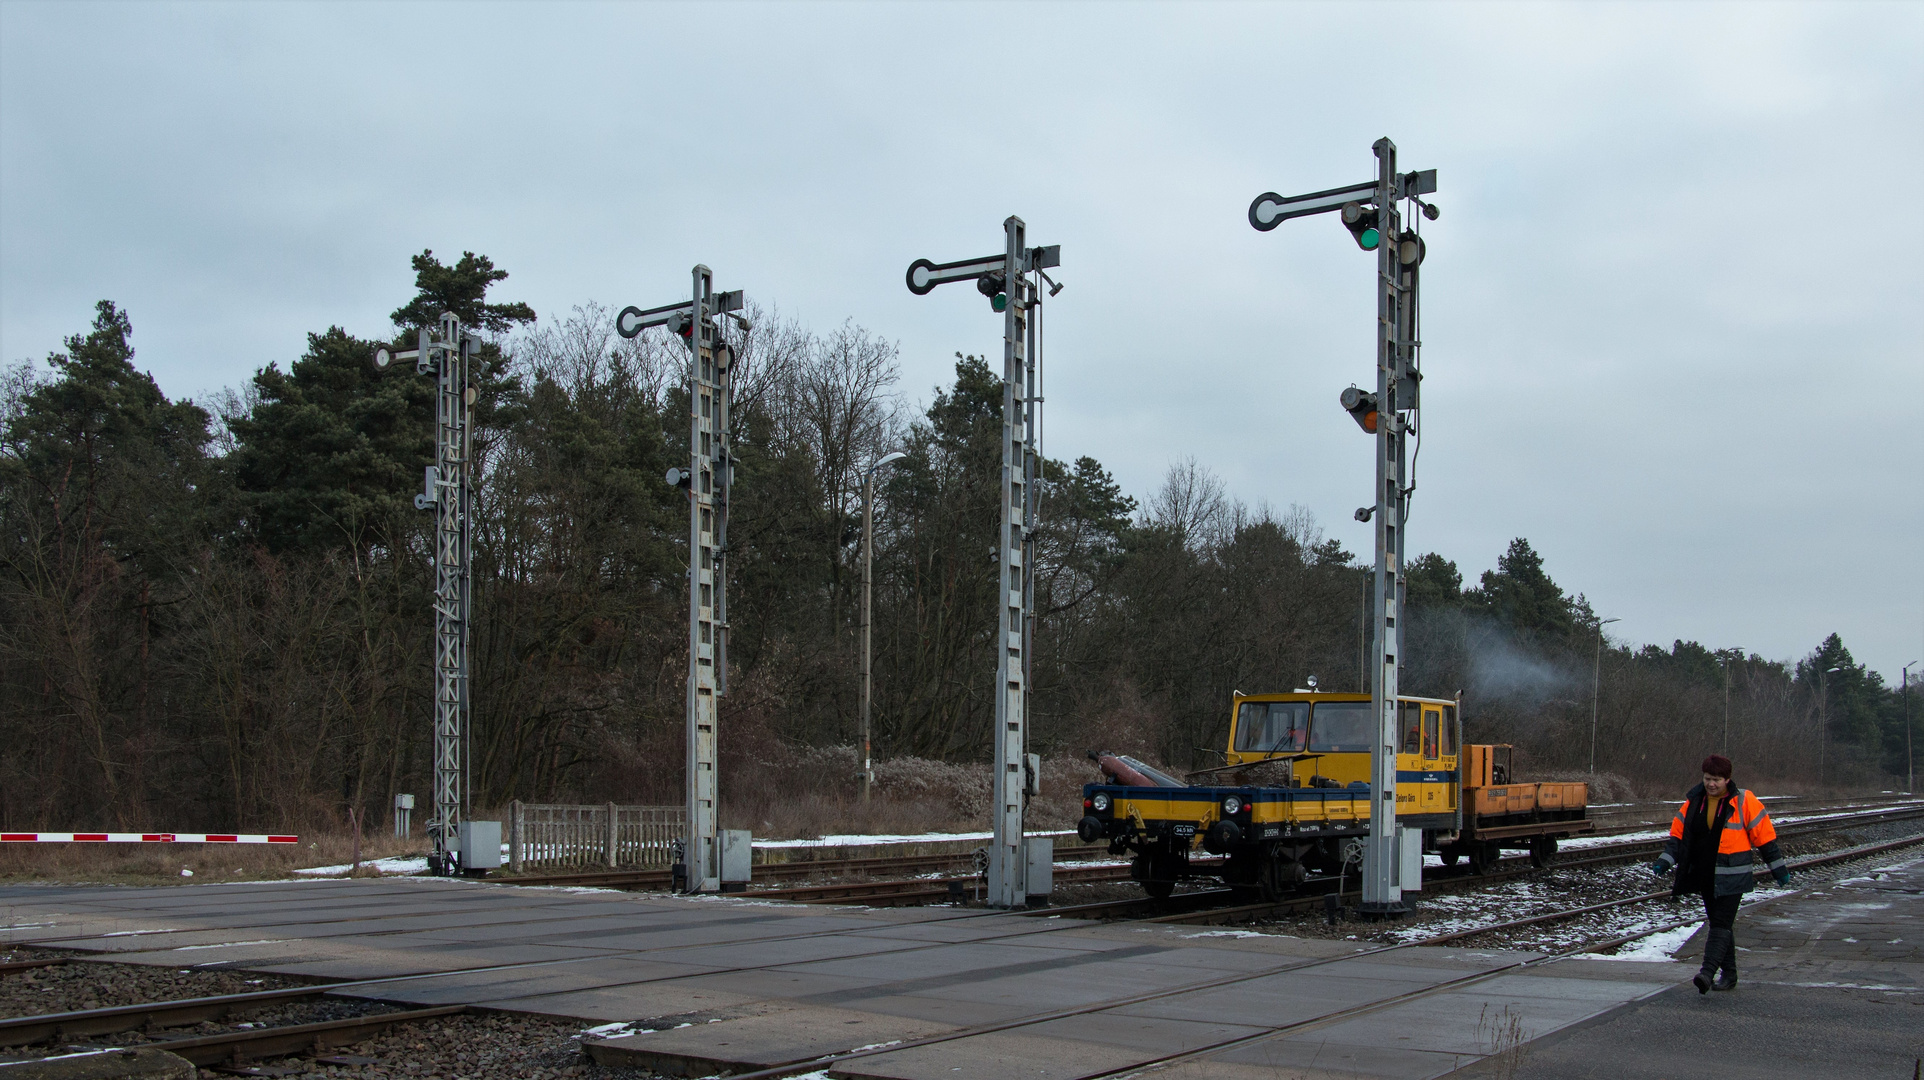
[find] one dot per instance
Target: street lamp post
(1823, 718)
(1726, 706)
(868, 563)
(1910, 762)
(1596, 693)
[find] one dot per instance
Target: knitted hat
(1717, 765)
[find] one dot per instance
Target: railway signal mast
(1005, 280)
(448, 490)
(708, 477)
(1369, 212)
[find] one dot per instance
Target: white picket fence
(557, 836)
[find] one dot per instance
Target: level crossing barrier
(558, 835)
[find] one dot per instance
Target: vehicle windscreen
(1276, 727)
(1341, 727)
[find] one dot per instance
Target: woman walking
(1715, 839)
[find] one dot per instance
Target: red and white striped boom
(143, 838)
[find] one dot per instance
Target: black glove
(1660, 868)
(1783, 878)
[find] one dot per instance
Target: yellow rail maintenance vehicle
(1293, 797)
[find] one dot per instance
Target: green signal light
(994, 285)
(1363, 223)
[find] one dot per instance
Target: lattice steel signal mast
(1390, 413)
(448, 490)
(708, 478)
(1004, 279)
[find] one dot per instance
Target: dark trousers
(1721, 910)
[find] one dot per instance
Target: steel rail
(238, 1046)
(27, 965)
(889, 893)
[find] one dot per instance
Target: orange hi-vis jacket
(1743, 832)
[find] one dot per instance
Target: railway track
(889, 865)
(318, 1037)
(897, 891)
(922, 890)
(1657, 813)
(831, 1061)
(1208, 907)
(929, 889)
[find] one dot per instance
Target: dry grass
(1604, 787)
(1501, 1035)
(911, 795)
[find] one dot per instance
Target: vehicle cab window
(1272, 727)
(1412, 727)
(1341, 727)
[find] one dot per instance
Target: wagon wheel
(1480, 859)
(1543, 852)
(1279, 877)
(1450, 857)
(1156, 875)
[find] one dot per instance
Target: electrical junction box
(480, 843)
(737, 856)
(1040, 854)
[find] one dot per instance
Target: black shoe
(1726, 980)
(1701, 981)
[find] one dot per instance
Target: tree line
(216, 614)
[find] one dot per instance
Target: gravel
(491, 1046)
(495, 1046)
(94, 984)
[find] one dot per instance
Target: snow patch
(397, 865)
(619, 1030)
(1650, 949)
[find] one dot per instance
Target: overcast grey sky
(1671, 307)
